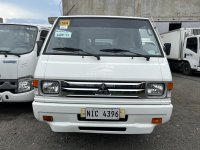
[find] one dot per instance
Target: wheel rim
(187, 68)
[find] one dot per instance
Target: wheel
(186, 69)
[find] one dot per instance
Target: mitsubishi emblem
(103, 90)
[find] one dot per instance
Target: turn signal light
(156, 120)
(48, 118)
(170, 86)
(35, 83)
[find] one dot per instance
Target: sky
(29, 11)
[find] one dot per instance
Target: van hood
(13, 67)
(9, 67)
(105, 69)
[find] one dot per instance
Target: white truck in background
(185, 49)
(20, 46)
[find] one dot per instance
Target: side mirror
(167, 48)
(39, 46)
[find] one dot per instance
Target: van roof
(39, 26)
(104, 16)
(53, 19)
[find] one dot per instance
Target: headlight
(50, 87)
(155, 89)
(24, 85)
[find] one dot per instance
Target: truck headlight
(50, 87)
(155, 89)
(24, 85)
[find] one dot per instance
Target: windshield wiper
(115, 50)
(4, 52)
(70, 49)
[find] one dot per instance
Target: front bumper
(65, 118)
(19, 97)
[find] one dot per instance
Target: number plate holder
(102, 113)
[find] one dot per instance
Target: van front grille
(101, 89)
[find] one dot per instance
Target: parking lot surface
(20, 130)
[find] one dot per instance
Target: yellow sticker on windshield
(64, 23)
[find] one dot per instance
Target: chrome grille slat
(96, 96)
(125, 84)
(83, 82)
(126, 90)
(99, 83)
(105, 89)
(80, 89)
(114, 90)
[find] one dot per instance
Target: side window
(43, 35)
(192, 44)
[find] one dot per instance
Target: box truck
(185, 49)
(103, 74)
(20, 45)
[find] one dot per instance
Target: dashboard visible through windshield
(103, 37)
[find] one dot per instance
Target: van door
(192, 51)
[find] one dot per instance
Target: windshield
(103, 37)
(17, 39)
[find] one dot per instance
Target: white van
(95, 75)
(19, 50)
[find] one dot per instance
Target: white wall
(160, 10)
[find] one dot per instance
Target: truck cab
(191, 53)
(102, 74)
(20, 45)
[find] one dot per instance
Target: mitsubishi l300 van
(97, 75)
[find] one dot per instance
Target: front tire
(186, 69)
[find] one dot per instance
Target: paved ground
(19, 129)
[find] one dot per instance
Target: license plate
(102, 113)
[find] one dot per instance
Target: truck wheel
(187, 69)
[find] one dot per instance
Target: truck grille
(8, 85)
(103, 89)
